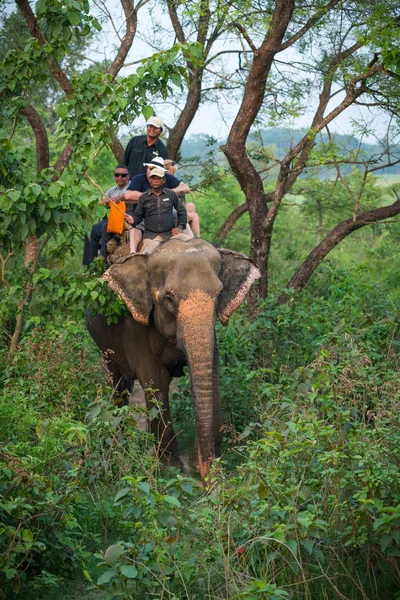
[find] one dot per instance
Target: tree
(351, 63)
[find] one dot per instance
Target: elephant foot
(121, 398)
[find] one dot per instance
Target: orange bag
(116, 219)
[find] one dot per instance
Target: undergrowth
(303, 503)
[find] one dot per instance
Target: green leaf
(54, 190)
(130, 571)
(308, 545)
(172, 500)
(14, 195)
(96, 24)
(122, 102)
(175, 78)
(27, 535)
(385, 542)
(188, 488)
(143, 485)
(112, 553)
(121, 494)
(36, 189)
(62, 111)
(196, 50)
(147, 112)
(292, 544)
(106, 577)
(74, 17)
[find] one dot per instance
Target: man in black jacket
(156, 207)
(143, 148)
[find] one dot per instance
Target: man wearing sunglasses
(99, 234)
(143, 148)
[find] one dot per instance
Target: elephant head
(178, 288)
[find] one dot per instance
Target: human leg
(194, 222)
(182, 236)
(193, 218)
(135, 237)
(106, 236)
(95, 237)
(188, 231)
(149, 245)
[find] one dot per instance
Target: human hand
(176, 231)
(129, 219)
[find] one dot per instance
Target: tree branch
(4, 261)
(58, 74)
(126, 43)
(63, 159)
(227, 227)
(245, 35)
(176, 24)
(42, 142)
(310, 23)
(336, 235)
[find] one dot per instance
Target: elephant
(171, 296)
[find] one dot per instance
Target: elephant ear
(128, 277)
(237, 274)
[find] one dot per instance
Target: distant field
(388, 179)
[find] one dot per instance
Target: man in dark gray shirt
(143, 148)
(156, 207)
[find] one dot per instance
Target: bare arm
(182, 188)
(132, 195)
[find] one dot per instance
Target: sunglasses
(121, 174)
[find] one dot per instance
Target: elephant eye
(170, 303)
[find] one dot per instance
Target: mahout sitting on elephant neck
(172, 295)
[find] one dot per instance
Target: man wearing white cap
(140, 183)
(144, 148)
(156, 206)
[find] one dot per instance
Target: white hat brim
(155, 166)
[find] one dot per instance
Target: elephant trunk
(196, 336)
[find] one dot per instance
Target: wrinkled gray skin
(172, 296)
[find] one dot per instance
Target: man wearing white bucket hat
(144, 148)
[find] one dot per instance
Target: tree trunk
(177, 133)
(235, 148)
(117, 150)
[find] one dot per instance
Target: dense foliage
(305, 500)
(304, 503)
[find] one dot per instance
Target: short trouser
(149, 245)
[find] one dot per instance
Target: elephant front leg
(157, 403)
